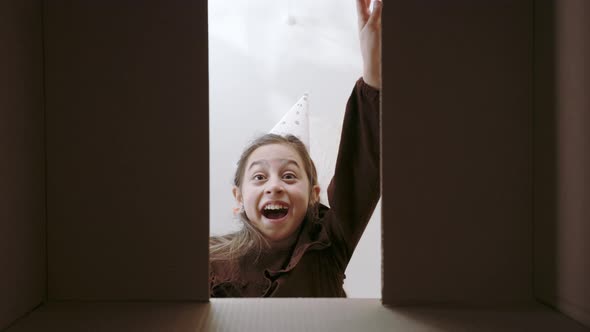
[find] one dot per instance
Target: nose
(274, 186)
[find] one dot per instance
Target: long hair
(231, 247)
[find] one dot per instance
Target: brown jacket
(324, 246)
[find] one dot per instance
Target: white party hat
(295, 121)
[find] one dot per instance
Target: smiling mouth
(275, 213)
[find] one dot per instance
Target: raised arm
(354, 190)
(369, 25)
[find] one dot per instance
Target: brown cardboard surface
(260, 315)
(562, 156)
(128, 189)
(457, 127)
(127, 147)
(22, 199)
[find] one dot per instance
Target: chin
(278, 229)
(277, 236)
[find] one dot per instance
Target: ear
(315, 194)
(237, 195)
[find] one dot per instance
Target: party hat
(295, 121)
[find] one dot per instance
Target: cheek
(250, 200)
(303, 195)
(248, 196)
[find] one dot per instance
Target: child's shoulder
(322, 210)
(220, 271)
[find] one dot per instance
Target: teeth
(274, 207)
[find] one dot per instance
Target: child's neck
(284, 244)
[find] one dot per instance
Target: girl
(291, 245)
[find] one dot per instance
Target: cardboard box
(104, 143)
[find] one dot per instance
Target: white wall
(263, 55)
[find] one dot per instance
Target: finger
(362, 9)
(376, 14)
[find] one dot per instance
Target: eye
(258, 177)
(289, 176)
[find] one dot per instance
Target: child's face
(275, 191)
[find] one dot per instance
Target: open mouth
(275, 211)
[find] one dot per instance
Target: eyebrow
(264, 162)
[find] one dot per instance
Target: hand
(370, 39)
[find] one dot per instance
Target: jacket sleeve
(355, 189)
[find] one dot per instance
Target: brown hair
(231, 247)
